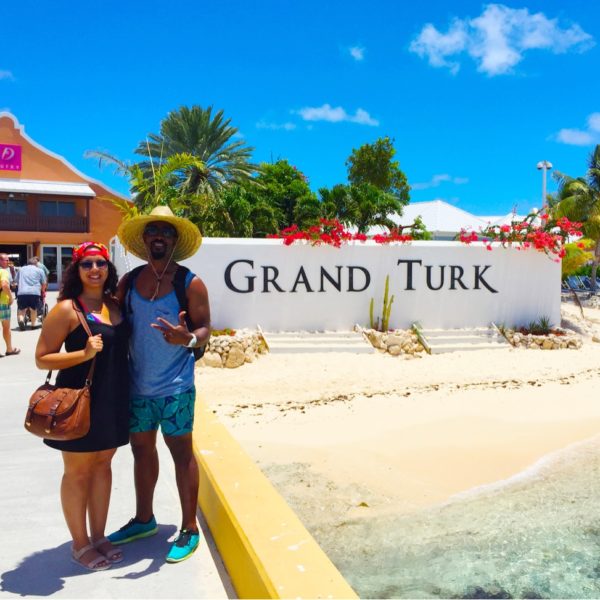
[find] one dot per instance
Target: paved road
(35, 546)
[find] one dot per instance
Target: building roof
(64, 188)
(441, 217)
(20, 129)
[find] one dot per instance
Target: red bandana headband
(96, 249)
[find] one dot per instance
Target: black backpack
(179, 287)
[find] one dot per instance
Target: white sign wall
(303, 287)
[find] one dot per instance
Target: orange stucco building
(47, 206)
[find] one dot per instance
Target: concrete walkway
(35, 548)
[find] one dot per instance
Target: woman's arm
(61, 320)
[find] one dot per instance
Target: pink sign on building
(10, 157)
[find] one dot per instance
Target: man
(162, 366)
(31, 283)
(6, 299)
(40, 265)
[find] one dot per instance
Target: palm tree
(580, 201)
(161, 184)
(208, 137)
(361, 205)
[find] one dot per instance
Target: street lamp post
(544, 165)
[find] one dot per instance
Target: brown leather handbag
(57, 413)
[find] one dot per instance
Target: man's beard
(158, 253)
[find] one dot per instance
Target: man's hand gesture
(178, 335)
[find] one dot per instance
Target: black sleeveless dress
(109, 409)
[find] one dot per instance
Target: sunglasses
(165, 231)
(87, 265)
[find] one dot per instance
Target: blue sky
(474, 94)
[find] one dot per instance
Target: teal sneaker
(134, 530)
(184, 546)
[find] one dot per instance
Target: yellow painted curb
(267, 551)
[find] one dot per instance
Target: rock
(394, 350)
(548, 344)
(250, 356)
(212, 359)
(236, 357)
(395, 339)
(596, 339)
(376, 338)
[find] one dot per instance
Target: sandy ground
(402, 434)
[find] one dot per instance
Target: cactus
(386, 310)
(387, 306)
(373, 324)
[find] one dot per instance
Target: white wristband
(192, 343)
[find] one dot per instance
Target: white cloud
(582, 137)
(497, 39)
(594, 122)
(437, 179)
(362, 117)
(575, 137)
(437, 46)
(285, 126)
(337, 115)
(6, 75)
(357, 52)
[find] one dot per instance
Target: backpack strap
(179, 286)
(129, 283)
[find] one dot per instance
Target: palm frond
(104, 158)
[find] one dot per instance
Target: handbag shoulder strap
(86, 327)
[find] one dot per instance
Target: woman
(89, 285)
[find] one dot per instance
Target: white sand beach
(467, 474)
(413, 431)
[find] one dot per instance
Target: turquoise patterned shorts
(4, 312)
(174, 414)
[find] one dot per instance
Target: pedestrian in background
(6, 300)
(31, 283)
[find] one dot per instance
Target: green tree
(580, 201)
(369, 205)
(241, 212)
(362, 206)
(335, 204)
(160, 185)
(575, 257)
(286, 189)
(374, 164)
(211, 138)
(419, 230)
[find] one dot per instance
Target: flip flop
(14, 351)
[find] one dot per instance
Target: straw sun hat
(131, 232)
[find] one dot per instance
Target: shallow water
(535, 536)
